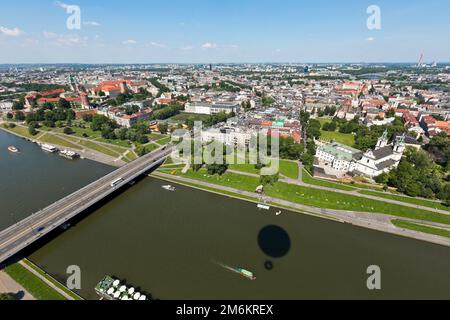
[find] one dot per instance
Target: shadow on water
(72, 223)
(274, 242)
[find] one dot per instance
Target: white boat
(69, 154)
(263, 206)
(13, 149)
(169, 188)
(48, 148)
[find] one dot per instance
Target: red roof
(53, 100)
(53, 92)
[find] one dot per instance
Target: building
(212, 108)
(6, 105)
(383, 159)
(338, 160)
(337, 156)
(125, 120)
(227, 136)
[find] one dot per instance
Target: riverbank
(36, 283)
(374, 221)
(84, 151)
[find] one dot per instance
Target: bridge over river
(24, 233)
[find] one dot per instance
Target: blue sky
(212, 31)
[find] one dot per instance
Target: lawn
(339, 201)
(52, 280)
(344, 138)
(52, 139)
(247, 168)
(419, 202)
(421, 228)
(289, 169)
(35, 286)
(232, 180)
(318, 198)
(182, 117)
(99, 148)
(156, 136)
(23, 131)
(164, 141)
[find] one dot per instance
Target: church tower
(399, 148)
(383, 141)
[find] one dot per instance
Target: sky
(224, 31)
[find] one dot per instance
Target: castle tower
(85, 100)
(383, 141)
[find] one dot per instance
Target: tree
(163, 127)
(64, 104)
(19, 116)
(313, 129)
(219, 169)
(269, 180)
(439, 149)
(32, 128)
(7, 297)
(68, 130)
(9, 116)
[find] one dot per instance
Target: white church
(383, 159)
(338, 160)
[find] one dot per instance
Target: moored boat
(48, 148)
(112, 289)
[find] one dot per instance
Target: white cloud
(49, 35)
(64, 39)
(370, 39)
(209, 45)
(15, 32)
(187, 48)
(69, 40)
(129, 42)
(62, 5)
(158, 45)
(91, 23)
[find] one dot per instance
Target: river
(172, 244)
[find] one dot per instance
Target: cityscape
(149, 168)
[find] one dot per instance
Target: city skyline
(228, 32)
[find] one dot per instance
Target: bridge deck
(22, 234)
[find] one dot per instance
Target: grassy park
(421, 228)
(316, 198)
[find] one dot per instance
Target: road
(27, 231)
